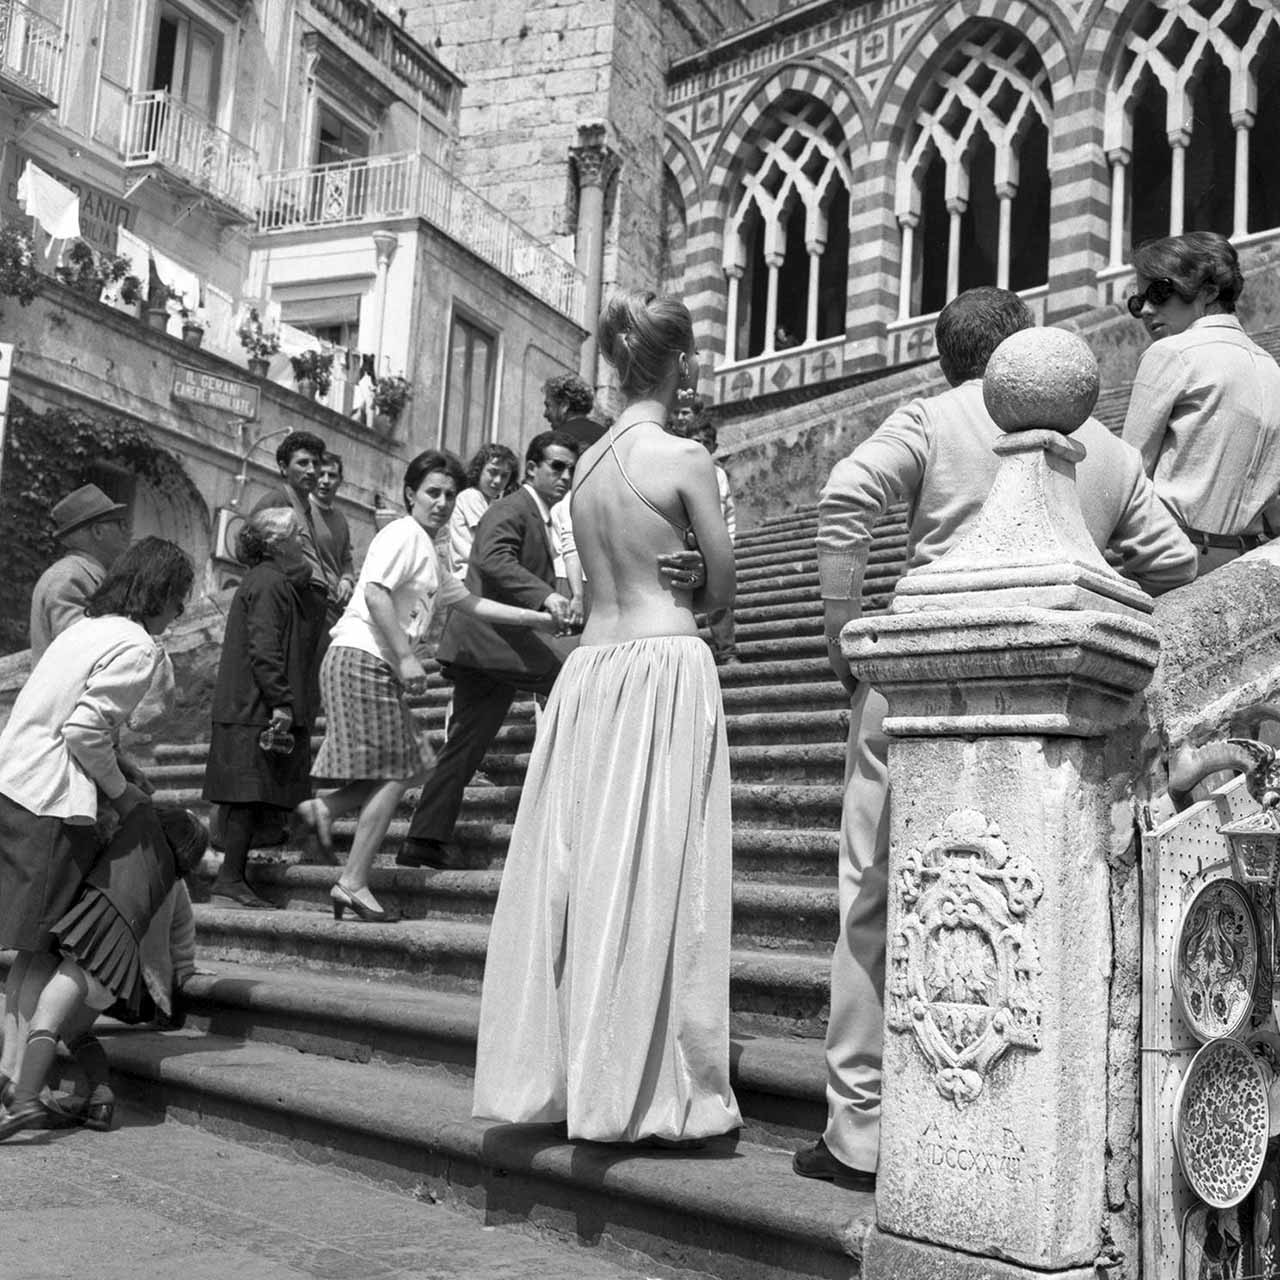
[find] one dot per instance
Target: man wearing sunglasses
(1205, 408)
(512, 561)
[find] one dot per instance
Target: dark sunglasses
(559, 467)
(1158, 293)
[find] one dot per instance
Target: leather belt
(1225, 541)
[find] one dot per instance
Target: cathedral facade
(833, 174)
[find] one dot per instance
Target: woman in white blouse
(491, 474)
(58, 756)
(371, 744)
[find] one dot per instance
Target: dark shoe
(344, 901)
(99, 1114)
(430, 853)
(6, 1091)
(237, 894)
(818, 1162)
(66, 1110)
(26, 1115)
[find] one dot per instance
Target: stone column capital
(385, 243)
(595, 161)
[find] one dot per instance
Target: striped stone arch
(679, 157)
(1031, 21)
(817, 78)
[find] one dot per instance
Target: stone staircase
(354, 1044)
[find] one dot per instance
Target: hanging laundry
(55, 207)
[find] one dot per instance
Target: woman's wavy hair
(261, 532)
(640, 334)
(152, 575)
(427, 462)
(1191, 261)
(488, 453)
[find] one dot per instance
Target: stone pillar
(594, 162)
(384, 244)
(1004, 663)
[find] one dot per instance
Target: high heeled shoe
(341, 900)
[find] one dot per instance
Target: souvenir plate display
(1215, 962)
(1221, 1121)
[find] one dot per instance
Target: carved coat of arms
(964, 967)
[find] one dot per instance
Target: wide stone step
(770, 991)
(780, 1081)
(775, 914)
(769, 805)
(883, 551)
(734, 1211)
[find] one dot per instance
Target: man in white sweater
(934, 455)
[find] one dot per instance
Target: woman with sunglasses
(1205, 408)
(260, 750)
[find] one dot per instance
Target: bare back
(620, 536)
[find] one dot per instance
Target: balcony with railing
(380, 188)
(31, 48)
(180, 144)
(395, 49)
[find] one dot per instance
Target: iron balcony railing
(400, 186)
(162, 130)
(30, 49)
(394, 48)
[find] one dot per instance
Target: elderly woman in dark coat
(260, 752)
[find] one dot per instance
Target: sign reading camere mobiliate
(215, 392)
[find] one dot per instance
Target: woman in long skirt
(371, 743)
(606, 988)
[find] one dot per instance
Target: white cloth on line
(55, 207)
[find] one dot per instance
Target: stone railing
(30, 48)
(162, 130)
(394, 48)
(400, 186)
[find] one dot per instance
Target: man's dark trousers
(510, 562)
(480, 705)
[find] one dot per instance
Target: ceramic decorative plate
(1220, 1122)
(1215, 962)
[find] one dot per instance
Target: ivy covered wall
(46, 456)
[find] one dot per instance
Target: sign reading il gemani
(215, 392)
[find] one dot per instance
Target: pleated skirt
(96, 936)
(606, 987)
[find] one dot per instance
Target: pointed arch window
(672, 236)
(786, 253)
(973, 181)
(1193, 122)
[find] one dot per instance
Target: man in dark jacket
(512, 561)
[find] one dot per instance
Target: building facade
(299, 156)
(835, 173)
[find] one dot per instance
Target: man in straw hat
(92, 528)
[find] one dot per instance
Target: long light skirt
(606, 989)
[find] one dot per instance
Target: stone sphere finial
(1041, 380)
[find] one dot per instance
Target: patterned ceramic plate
(1220, 1122)
(1215, 964)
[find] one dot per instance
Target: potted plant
(192, 328)
(313, 372)
(158, 296)
(259, 343)
(390, 395)
(131, 292)
(18, 275)
(79, 271)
